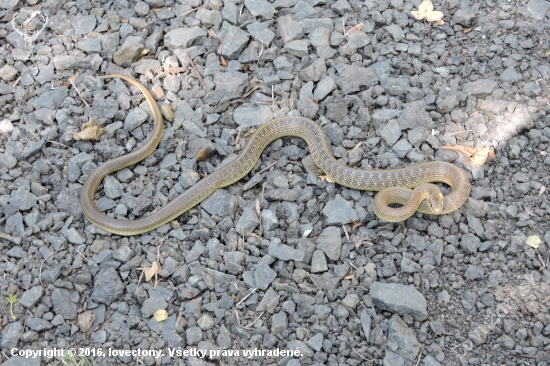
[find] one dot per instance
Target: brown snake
(425, 198)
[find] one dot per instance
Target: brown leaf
(224, 63)
(151, 271)
(356, 28)
(201, 156)
(89, 131)
(468, 30)
(85, 320)
(477, 156)
(349, 277)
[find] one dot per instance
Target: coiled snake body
(394, 184)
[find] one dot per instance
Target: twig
(419, 355)
(44, 261)
(250, 91)
(196, 70)
(356, 146)
(312, 280)
(533, 357)
(83, 256)
(251, 324)
(246, 297)
(17, 81)
(178, 319)
(366, 359)
(189, 12)
(267, 168)
(345, 231)
(78, 92)
(455, 347)
(455, 133)
(55, 142)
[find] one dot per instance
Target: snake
(412, 186)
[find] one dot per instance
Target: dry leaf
(349, 277)
(224, 63)
(151, 271)
(89, 131)
(326, 178)
(160, 315)
(426, 11)
(201, 156)
(542, 189)
(477, 156)
(258, 208)
(467, 30)
(356, 28)
(533, 241)
(85, 320)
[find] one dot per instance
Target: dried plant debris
(89, 131)
(426, 11)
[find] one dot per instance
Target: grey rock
(233, 42)
(342, 7)
(415, 114)
(356, 78)
(252, 116)
(480, 88)
(151, 305)
(479, 333)
(62, 304)
(261, 276)
(220, 203)
(324, 87)
(392, 359)
(269, 301)
(466, 17)
(538, 8)
(24, 361)
(107, 286)
(430, 360)
(316, 342)
(320, 37)
(318, 262)
(247, 222)
(51, 99)
(269, 220)
(351, 301)
(470, 243)
(510, 74)
(359, 39)
(396, 32)
(401, 339)
(193, 335)
(289, 29)
(8, 73)
(134, 119)
(83, 24)
(391, 132)
(303, 348)
(366, 322)
(37, 324)
(284, 252)
(128, 53)
(402, 148)
(195, 252)
(314, 71)
(339, 212)
(260, 8)
(69, 62)
(11, 335)
(330, 242)
(474, 272)
(32, 296)
(400, 299)
(409, 266)
(205, 322)
(298, 48)
(278, 323)
(261, 33)
(184, 37)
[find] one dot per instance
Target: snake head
(435, 201)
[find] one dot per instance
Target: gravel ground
(282, 260)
